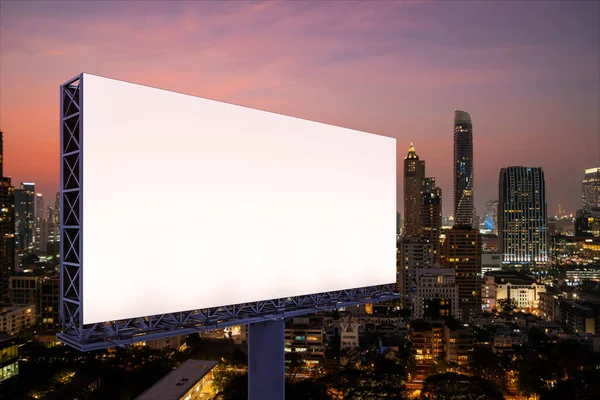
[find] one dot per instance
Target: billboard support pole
(266, 360)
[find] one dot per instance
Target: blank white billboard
(191, 203)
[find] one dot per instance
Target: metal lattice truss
(124, 332)
(129, 331)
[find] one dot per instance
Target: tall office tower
(7, 228)
(24, 216)
(590, 189)
(414, 252)
(462, 252)
(40, 212)
(413, 182)
(398, 223)
(491, 216)
(431, 221)
(463, 169)
(522, 217)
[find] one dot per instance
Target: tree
(295, 365)
(239, 357)
(507, 305)
(193, 340)
(306, 389)
(452, 386)
(223, 376)
(489, 367)
(236, 388)
(533, 373)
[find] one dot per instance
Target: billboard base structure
(127, 332)
(266, 360)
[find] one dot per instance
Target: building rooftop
(514, 278)
(178, 382)
(461, 117)
(420, 325)
(6, 310)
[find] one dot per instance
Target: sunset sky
(528, 72)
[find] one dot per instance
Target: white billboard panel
(191, 203)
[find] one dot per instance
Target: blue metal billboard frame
(125, 332)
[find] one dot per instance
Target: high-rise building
(462, 252)
(590, 189)
(463, 169)
(40, 211)
(414, 252)
(54, 212)
(24, 216)
(522, 217)
(413, 182)
(431, 220)
(491, 216)
(7, 228)
(40, 236)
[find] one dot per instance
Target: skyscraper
(24, 216)
(462, 252)
(431, 220)
(413, 182)
(7, 228)
(463, 169)
(40, 211)
(590, 189)
(491, 216)
(522, 217)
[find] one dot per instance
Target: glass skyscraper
(463, 169)
(522, 217)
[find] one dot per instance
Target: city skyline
(525, 72)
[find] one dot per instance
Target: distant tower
(561, 211)
(40, 211)
(413, 182)
(491, 216)
(7, 228)
(431, 220)
(522, 217)
(463, 169)
(24, 216)
(590, 189)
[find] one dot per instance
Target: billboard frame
(87, 337)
